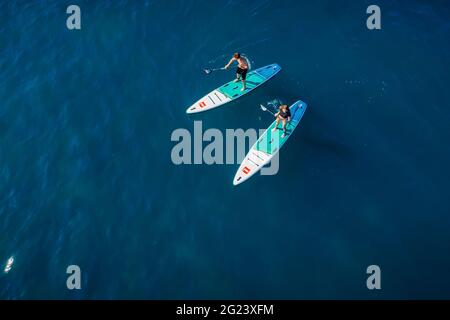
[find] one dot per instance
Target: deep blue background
(86, 176)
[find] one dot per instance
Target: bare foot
(274, 129)
(236, 80)
(243, 89)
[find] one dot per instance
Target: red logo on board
(202, 104)
(246, 170)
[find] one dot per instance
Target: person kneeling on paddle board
(242, 69)
(284, 115)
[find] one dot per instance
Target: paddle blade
(207, 71)
(263, 108)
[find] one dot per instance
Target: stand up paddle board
(268, 145)
(232, 90)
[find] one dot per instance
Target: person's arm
(277, 114)
(229, 63)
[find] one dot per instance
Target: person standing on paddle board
(284, 115)
(242, 69)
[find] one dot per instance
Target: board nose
(238, 179)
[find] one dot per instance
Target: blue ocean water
(86, 176)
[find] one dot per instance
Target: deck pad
(233, 89)
(271, 142)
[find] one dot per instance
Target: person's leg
(244, 77)
(244, 85)
(238, 77)
(284, 128)
(276, 124)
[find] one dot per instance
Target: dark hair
(237, 55)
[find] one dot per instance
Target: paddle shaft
(212, 70)
(265, 109)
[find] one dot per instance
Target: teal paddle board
(232, 90)
(268, 145)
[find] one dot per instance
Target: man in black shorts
(242, 69)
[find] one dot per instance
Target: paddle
(208, 71)
(265, 109)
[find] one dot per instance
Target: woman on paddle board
(242, 69)
(284, 115)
